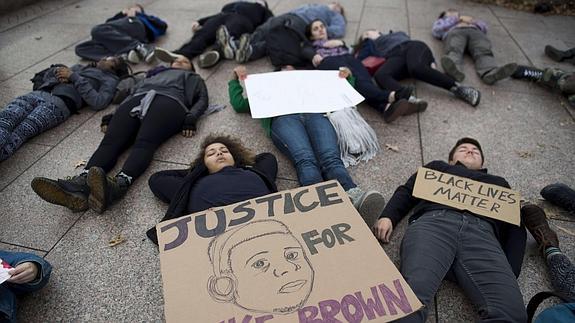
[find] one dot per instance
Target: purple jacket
(444, 25)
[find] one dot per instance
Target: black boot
(560, 55)
(527, 73)
(72, 192)
(560, 195)
(104, 190)
(466, 93)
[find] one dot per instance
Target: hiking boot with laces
(403, 107)
(559, 55)
(527, 73)
(499, 73)
(536, 222)
(71, 192)
(560, 195)
(104, 190)
(467, 94)
(143, 52)
(451, 68)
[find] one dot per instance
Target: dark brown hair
(466, 140)
(242, 155)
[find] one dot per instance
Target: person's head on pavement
(468, 152)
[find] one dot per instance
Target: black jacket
(266, 166)
(512, 238)
(256, 13)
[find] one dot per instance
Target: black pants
(411, 59)
(164, 119)
(206, 36)
(376, 97)
(113, 38)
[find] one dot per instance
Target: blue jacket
(334, 22)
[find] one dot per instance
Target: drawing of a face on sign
(260, 267)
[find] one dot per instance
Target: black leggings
(206, 36)
(411, 59)
(164, 119)
(374, 96)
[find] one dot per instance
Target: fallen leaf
(116, 240)
(392, 148)
(541, 145)
(524, 154)
(80, 163)
(38, 38)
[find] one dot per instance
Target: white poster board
(287, 92)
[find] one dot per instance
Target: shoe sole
(405, 108)
(51, 192)
(133, 57)
(164, 55)
(501, 73)
(451, 69)
(208, 59)
(224, 43)
(370, 207)
(241, 53)
(98, 189)
(555, 54)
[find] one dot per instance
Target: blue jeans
(8, 291)
(464, 248)
(310, 141)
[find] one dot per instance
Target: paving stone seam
(509, 34)
(49, 150)
(32, 7)
(65, 233)
(22, 246)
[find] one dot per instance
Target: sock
(552, 251)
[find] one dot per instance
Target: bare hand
(333, 43)
(316, 60)
(196, 26)
(240, 72)
(344, 72)
(188, 133)
(63, 74)
(466, 19)
(23, 273)
(383, 229)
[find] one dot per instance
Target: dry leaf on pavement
(116, 240)
(392, 148)
(80, 163)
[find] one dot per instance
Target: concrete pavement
(527, 133)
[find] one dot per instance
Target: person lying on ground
(169, 100)
(331, 54)
(58, 92)
(460, 33)
(129, 33)
(482, 255)
(224, 172)
(405, 58)
(235, 18)
(310, 141)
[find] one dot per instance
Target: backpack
(284, 46)
(564, 312)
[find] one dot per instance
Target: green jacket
(242, 105)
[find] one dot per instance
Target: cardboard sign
(280, 93)
(303, 255)
(466, 194)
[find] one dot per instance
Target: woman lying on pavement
(310, 141)
(223, 173)
(169, 100)
(406, 58)
(331, 54)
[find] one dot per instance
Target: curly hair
(242, 155)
